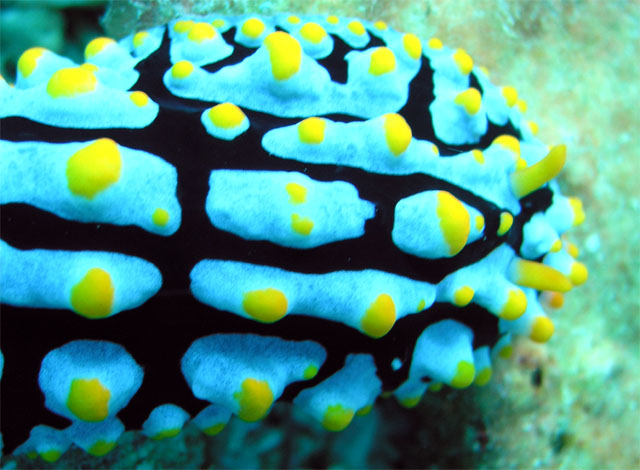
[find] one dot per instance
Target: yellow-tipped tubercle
(541, 329)
(526, 180)
(254, 399)
(337, 417)
(470, 100)
(539, 276)
(579, 274)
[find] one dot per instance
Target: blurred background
(571, 403)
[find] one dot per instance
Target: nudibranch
(210, 216)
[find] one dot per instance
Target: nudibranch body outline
(229, 211)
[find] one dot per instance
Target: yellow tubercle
(554, 299)
(483, 377)
(96, 46)
(310, 372)
(478, 156)
(139, 38)
(572, 249)
(465, 373)
(293, 19)
(520, 163)
(254, 399)
(578, 274)
(301, 225)
(410, 402)
(435, 43)
(356, 28)
(514, 306)
(226, 115)
(421, 305)
(379, 318)
(364, 411)
(522, 105)
(533, 127)
(88, 400)
(297, 193)
(253, 28)
(285, 54)
(337, 417)
(382, 61)
(556, 246)
(94, 168)
(28, 61)
(218, 23)
(506, 221)
(455, 222)
(214, 429)
(479, 223)
(311, 130)
(463, 61)
(265, 305)
(166, 434)
(93, 68)
(92, 297)
(380, 25)
(526, 180)
(51, 455)
(463, 296)
(508, 142)
(541, 329)
(333, 19)
(510, 95)
(470, 100)
(201, 32)
(412, 45)
(160, 217)
(71, 82)
(397, 133)
(183, 26)
(538, 276)
(578, 211)
(139, 98)
(181, 69)
(313, 32)
(101, 448)
(506, 352)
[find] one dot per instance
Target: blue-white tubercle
(212, 419)
(370, 301)
(165, 421)
(246, 373)
(96, 181)
(45, 442)
(89, 380)
(336, 400)
(291, 208)
(98, 438)
(90, 283)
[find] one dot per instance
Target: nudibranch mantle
(208, 216)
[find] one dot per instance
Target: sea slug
(212, 215)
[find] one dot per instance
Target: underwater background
(570, 403)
